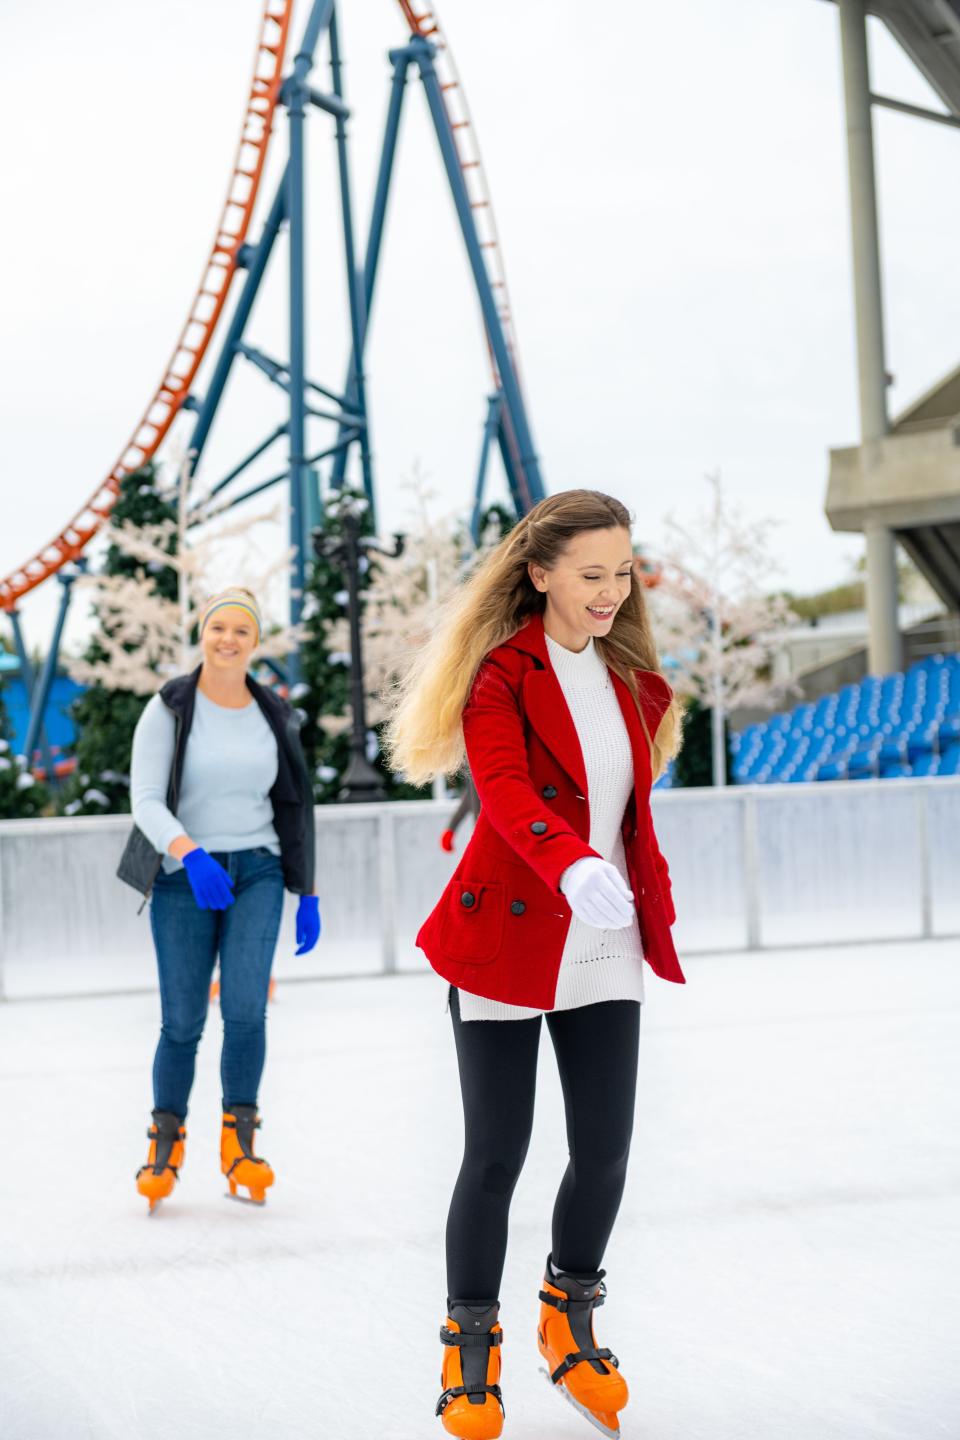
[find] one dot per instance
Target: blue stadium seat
(950, 760)
(890, 726)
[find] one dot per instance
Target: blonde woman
(223, 822)
(544, 671)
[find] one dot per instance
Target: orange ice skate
(156, 1179)
(237, 1160)
(585, 1375)
(471, 1406)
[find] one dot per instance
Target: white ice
(786, 1265)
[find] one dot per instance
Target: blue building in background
(60, 729)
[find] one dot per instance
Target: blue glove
(308, 923)
(211, 885)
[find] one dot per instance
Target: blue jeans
(187, 941)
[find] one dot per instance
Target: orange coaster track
(211, 295)
(202, 316)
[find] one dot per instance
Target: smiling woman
(230, 630)
(544, 670)
(223, 809)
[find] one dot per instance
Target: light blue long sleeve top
(229, 768)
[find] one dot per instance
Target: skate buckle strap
(244, 1127)
(254, 1160)
(158, 1170)
(455, 1337)
(454, 1391)
(563, 1302)
(578, 1356)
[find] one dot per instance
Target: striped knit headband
(239, 599)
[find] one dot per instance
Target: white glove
(597, 894)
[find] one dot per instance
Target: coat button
(517, 907)
(467, 898)
(549, 792)
(538, 827)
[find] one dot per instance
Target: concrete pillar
(885, 649)
(885, 653)
(863, 221)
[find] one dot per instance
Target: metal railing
(753, 867)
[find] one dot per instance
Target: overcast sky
(670, 187)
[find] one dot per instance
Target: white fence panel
(752, 866)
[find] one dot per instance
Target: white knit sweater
(596, 964)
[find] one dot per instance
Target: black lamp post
(361, 781)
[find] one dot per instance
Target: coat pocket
(471, 929)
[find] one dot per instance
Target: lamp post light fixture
(361, 781)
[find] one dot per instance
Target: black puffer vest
(291, 795)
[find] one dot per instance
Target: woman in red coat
(544, 670)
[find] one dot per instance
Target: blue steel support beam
(277, 372)
(41, 695)
(310, 460)
(259, 254)
(331, 103)
(254, 455)
(401, 60)
(29, 681)
(313, 504)
(295, 94)
(356, 388)
(508, 454)
(531, 480)
(490, 429)
(350, 434)
(330, 394)
(315, 26)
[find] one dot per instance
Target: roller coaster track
(223, 262)
(464, 134)
(202, 317)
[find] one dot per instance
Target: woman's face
(229, 639)
(587, 586)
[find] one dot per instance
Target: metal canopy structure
(929, 31)
(426, 56)
(902, 483)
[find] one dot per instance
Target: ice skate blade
(244, 1199)
(587, 1414)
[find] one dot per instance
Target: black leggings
(596, 1048)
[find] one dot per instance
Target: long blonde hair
(423, 736)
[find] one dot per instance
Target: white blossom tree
(714, 617)
(146, 637)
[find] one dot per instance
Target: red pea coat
(498, 929)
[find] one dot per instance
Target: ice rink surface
(786, 1265)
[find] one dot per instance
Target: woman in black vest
(223, 821)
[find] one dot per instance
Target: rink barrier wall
(753, 868)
